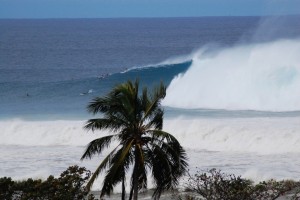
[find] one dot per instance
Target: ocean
(232, 99)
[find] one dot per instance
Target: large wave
(68, 99)
(259, 135)
(262, 77)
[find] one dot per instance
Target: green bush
(69, 186)
(6, 188)
(215, 185)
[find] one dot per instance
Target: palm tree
(136, 121)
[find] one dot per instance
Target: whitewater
(261, 77)
(234, 106)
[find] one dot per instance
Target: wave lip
(264, 77)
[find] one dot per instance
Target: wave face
(68, 99)
(263, 77)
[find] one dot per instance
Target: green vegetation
(211, 185)
(69, 186)
(214, 185)
(136, 119)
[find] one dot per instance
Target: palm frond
(101, 123)
(173, 149)
(159, 93)
(96, 146)
(100, 168)
(155, 120)
(177, 158)
(168, 162)
(163, 135)
(142, 171)
(161, 169)
(119, 164)
(100, 104)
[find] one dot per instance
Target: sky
(144, 8)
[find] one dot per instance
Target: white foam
(249, 77)
(44, 133)
(256, 148)
(260, 135)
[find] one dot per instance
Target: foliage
(6, 188)
(69, 186)
(136, 120)
(211, 185)
(214, 185)
(272, 189)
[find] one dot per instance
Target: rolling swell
(68, 99)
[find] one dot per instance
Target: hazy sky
(144, 8)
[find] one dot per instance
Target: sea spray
(262, 77)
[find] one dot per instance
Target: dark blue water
(55, 67)
(50, 50)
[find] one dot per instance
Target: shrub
(269, 190)
(69, 186)
(6, 188)
(215, 185)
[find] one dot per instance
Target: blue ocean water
(54, 67)
(54, 61)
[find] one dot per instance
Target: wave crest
(262, 77)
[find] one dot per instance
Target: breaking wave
(259, 135)
(263, 77)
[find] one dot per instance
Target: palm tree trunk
(131, 192)
(135, 191)
(135, 180)
(123, 188)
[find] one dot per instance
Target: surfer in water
(88, 92)
(103, 76)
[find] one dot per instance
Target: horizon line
(145, 17)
